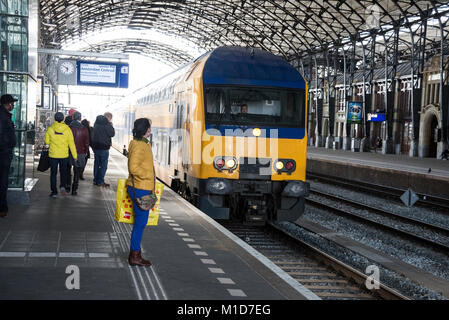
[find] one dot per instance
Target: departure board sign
(103, 74)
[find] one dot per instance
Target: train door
(178, 143)
(186, 137)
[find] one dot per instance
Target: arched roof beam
(253, 26)
(242, 30)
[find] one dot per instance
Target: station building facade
(414, 131)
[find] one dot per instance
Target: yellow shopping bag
(124, 211)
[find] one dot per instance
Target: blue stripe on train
(246, 131)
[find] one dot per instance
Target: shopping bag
(124, 211)
(44, 161)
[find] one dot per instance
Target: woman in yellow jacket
(142, 180)
(60, 138)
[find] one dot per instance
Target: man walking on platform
(60, 138)
(101, 143)
(7, 144)
(81, 137)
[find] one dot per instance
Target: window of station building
(16, 7)
(341, 107)
(359, 88)
(404, 99)
(433, 93)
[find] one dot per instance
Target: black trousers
(76, 177)
(5, 164)
(69, 172)
(54, 163)
(83, 167)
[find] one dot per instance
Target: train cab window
(215, 103)
(256, 106)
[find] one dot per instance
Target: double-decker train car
(228, 133)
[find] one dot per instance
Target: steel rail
(384, 213)
(384, 291)
(364, 220)
(391, 192)
(295, 254)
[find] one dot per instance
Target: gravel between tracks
(392, 221)
(389, 278)
(420, 213)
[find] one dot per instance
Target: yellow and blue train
(228, 133)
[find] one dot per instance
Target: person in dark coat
(68, 120)
(81, 137)
(101, 143)
(7, 144)
(86, 124)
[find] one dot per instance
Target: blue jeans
(100, 165)
(140, 218)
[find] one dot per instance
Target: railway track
(385, 220)
(383, 191)
(325, 276)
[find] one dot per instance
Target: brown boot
(135, 259)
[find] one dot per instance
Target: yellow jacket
(60, 138)
(140, 165)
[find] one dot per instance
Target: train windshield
(255, 106)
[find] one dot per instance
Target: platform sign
(376, 117)
(102, 74)
(354, 112)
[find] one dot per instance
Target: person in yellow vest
(60, 139)
(141, 182)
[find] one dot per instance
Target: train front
(255, 144)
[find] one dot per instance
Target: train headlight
(257, 132)
(230, 163)
(279, 165)
(296, 189)
(218, 186)
(285, 165)
(225, 163)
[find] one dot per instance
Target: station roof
(290, 29)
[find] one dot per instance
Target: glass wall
(14, 78)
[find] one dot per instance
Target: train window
(215, 103)
(262, 106)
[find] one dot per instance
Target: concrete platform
(45, 245)
(399, 171)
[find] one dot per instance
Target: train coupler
(256, 212)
